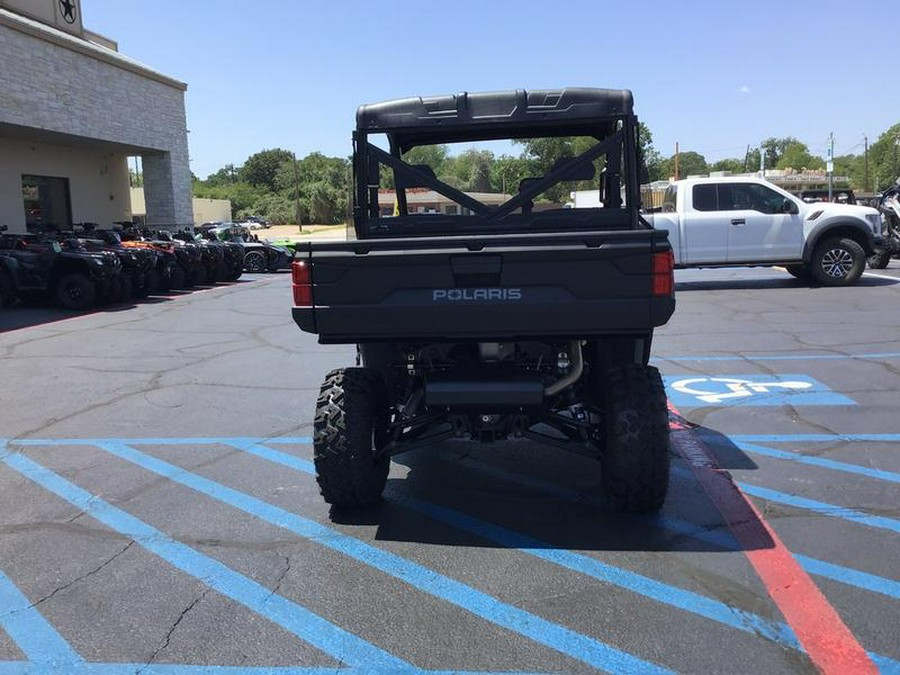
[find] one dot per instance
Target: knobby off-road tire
(350, 406)
(75, 291)
(635, 459)
(880, 260)
(838, 261)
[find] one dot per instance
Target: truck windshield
(533, 183)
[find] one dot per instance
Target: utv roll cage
(606, 115)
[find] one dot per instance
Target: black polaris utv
(40, 268)
(489, 317)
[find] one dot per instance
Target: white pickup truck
(720, 222)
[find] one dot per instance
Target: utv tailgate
(499, 287)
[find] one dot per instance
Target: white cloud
(744, 90)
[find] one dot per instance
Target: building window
(47, 202)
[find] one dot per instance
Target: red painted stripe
(827, 640)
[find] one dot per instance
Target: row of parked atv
(86, 265)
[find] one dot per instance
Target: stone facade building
(72, 110)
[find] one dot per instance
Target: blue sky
(713, 76)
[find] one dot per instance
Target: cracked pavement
(230, 363)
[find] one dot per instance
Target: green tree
(543, 153)
(227, 175)
(471, 170)
(797, 156)
(650, 155)
(261, 168)
(775, 148)
(690, 163)
(731, 164)
(435, 156)
(508, 171)
(884, 158)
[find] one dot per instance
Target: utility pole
(762, 161)
(866, 164)
(676, 160)
(297, 213)
(829, 165)
(894, 162)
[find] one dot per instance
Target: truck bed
(486, 288)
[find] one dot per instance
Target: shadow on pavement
(517, 494)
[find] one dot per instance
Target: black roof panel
(437, 116)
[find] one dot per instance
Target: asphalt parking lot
(158, 511)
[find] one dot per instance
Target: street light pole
(829, 165)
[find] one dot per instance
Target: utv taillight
(302, 283)
(664, 273)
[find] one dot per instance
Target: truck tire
(635, 458)
(838, 261)
(800, 272)
(348, 410)
(75, 291)
(880, 260)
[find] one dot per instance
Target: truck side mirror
(790, 207)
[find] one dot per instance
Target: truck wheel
(838, 262)
(635, 458)
(255, 261)
(799, 272)
(75, 291)
(347, 413)
(880, 260)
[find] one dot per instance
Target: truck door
(759, 230)
(705, 227)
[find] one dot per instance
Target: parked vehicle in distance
(259, 256)
(497, 321)
(889, 206)
(39, 267)
(841, 196)
(255, 223)
(721, 222)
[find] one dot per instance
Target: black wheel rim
(255, 262)
(74, 291)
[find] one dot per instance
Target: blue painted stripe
(18, 668)
(845, 575)
(333, 640)
(673, 596)
(38, 640)
(23, 668)
(723, 538)
(822, 508)
(885, 665)
(649, 588)
(563, 640)
(815, 438)
(822, 462)
(782, 357)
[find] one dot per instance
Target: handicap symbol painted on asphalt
(731, 390)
